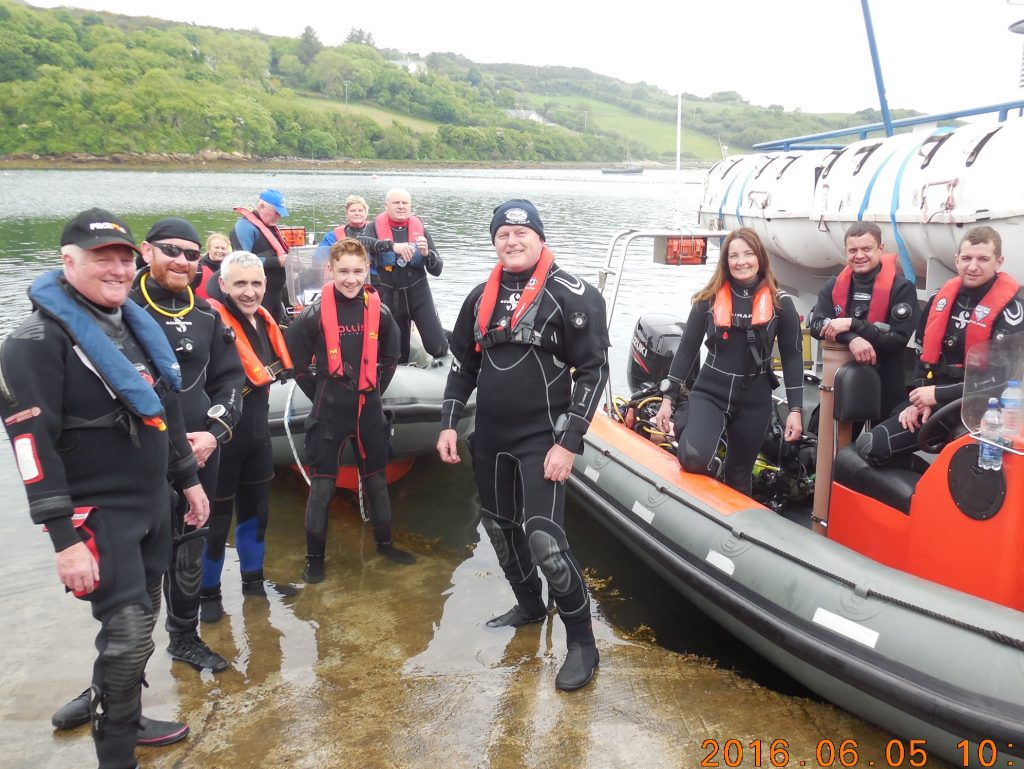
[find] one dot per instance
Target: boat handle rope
(994, 635)
(288, 430)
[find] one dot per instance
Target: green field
(379, 115)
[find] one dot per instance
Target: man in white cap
(256, 232)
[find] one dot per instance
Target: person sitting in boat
(356, 211)
(532, 341)
(256, 231)
(981, 303)
(741, 312)
(404, 286)
(871, 308)
(354, 340)
(218, 245)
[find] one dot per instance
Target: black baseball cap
(96, 228)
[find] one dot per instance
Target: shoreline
(227, 161)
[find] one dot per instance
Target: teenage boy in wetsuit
(981, 303)
(532, 341)
(871, 308)
(88, 385)
(354, 340)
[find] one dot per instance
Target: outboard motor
(654, 342)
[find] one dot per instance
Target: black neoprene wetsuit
(889, 343)
(733, 388)
(405, 289)
(889, 438)
(243, 483)
(72, 457)
(337, 417)
(531, 394)
(211, 374)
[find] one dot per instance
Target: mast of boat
(879, 84)
(679, 132)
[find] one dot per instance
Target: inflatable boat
(903, 603)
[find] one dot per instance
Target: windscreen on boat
(303, 276)
(990, 366)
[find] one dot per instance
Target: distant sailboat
(626, 167)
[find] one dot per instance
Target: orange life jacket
(382, 226)
(490, 296)
(206, 272)
(763, 309)
(979, 326)
(256, 371)
(269, 231)
(878, 310)
(371, 334)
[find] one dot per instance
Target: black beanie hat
(517, 212)
(173, 227)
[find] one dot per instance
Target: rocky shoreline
(214, 160)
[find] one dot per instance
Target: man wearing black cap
(402, 272)
(88, 398)
(532, 340)
(256, 231)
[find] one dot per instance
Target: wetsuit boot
(582, 658)
(211, 606)
(529, 608)
(152, 733)
(253, 584)
(376, 488)
(321, 492)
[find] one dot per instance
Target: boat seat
(891, 485)
(857, 394)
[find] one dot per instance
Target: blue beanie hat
(517, 212)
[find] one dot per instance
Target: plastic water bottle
(1011, 403)
(990, 455)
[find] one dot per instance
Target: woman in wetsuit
(742, 313)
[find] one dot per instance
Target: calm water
(299, 645)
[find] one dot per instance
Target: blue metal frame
(882, 101)
(804, 142)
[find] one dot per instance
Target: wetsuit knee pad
(550, 556)
(691, 460)
(125, 644)
(500, 537)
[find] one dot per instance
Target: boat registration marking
(643, 512)
(723, 562)
(846, 627)
(592, 473)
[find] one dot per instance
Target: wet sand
(384, 665)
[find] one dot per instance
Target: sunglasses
(171, 250)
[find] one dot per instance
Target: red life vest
(206, 272)
(879, 307)
(762, 312)
(533, 288)
(269, 231)
(382, 224)
(979, 325)
(256, 371)
(371, 333)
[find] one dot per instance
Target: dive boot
(211, 607)
(190, 648)
(154, 734)
(578, 668)
(253, 585)
(73, 714)
(314, 571)
(392, 553)
(519, 615)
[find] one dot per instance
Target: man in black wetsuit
(88, 385)
(256, 231)
(981, 303)
(210, 402)
(404, 286)
(870, 307)
(533, 342)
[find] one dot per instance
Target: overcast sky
(936, 55)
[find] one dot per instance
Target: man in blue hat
(256, 231)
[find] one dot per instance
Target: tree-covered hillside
(75, 81)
